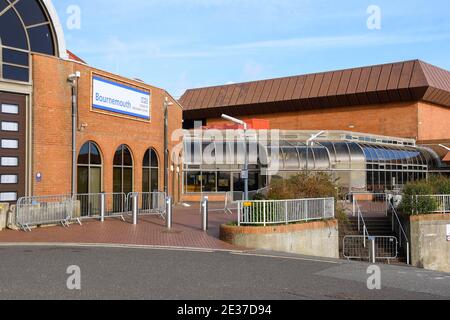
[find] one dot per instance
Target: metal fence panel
(149, 203)
(284, 211)
(88, 206)
(358, 247)
(34, 211)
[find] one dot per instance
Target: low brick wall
(429, 246)
(319, 239)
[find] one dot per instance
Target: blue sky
(180, 44)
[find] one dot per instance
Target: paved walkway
(150, 231)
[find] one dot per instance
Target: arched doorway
(123, 170)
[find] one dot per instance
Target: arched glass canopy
(358, 166)
(25, 27)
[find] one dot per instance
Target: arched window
(89, 169)
(25, 27)
(150, 172)
(123, 170)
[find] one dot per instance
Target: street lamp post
(245, 171)
(310, 142)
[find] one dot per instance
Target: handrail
(401, 231)
(361, 218)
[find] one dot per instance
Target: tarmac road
(39, 272)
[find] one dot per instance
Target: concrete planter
(4, 207)
(430, 248)
(319, 239)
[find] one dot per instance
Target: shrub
(440, 184)
(302, 186)
(416, 198)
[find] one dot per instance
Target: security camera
(74, 76)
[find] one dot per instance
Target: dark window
(3, 4)
(150, 178)
(223, 182)
(31, 12)
(193, 182)
(41, 40)
(15, 57)
(89, 169)
(15, 73)
(123, 171)
(12, 32)
(209, 183)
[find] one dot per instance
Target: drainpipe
(73, 79)
(167, 104)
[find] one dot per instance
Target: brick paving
(150, 231)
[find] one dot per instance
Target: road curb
(116, 246)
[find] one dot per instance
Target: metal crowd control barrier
(285, 211)
(99, 206)
(150, 203)
(46, 210)
(35, 211)
(379, 248)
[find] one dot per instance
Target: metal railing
(233, 197)
(34, 211)
(149, 203)
(362, 226)
(442, 202)
(99, 206)
(284, 211)
(355, 247)
(403, 237)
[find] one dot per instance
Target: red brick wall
(52, 126)
(434, 122)
(398, 120)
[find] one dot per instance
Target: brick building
(409, 99)
(47, 93)
(385, 125)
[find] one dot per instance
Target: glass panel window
(193, 182)
(16, 73)
(15, 57)
(10, 109)
(10, 162)
(123, 170)
(9, 179)
(10, 144)
(154, 182)
(253, 181)
(83, 180)
(238, 183)
(209, 182)
(89, 169)
(10, 126)
(223, 182)
(12, 32)
(41, 40)
(150, 178)
(8, 196)
(30, 12)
